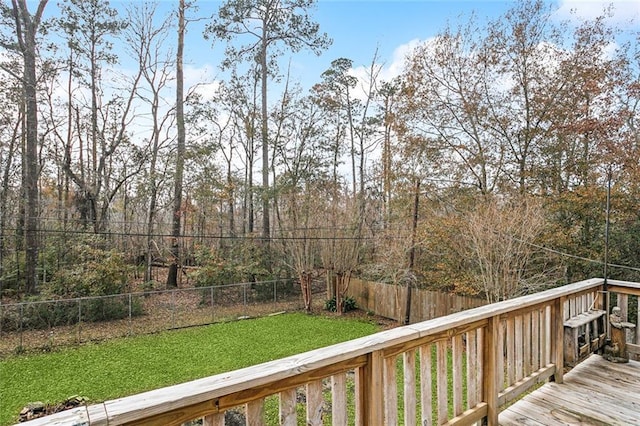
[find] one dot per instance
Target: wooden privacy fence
(388, 300)
(457, 369)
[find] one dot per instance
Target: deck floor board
(595, 392)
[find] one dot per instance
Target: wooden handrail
(497, 352)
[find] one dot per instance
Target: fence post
(213, 312)
(173, 309)
(21, 321)
(557, 337)
(244, 296)
(79, 339)
(491, 388)
(370, 391)
(130, 316)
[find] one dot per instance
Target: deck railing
(458, 369)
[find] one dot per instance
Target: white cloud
(624, 11)
(387, 71)
(201, 80)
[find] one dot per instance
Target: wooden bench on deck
(583, 334)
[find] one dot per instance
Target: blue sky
(358, 28)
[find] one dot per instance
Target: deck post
(491, 388)
(557, 338)
(370, 395)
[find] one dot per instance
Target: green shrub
(348, 304)
(231, 265)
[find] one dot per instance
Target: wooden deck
(596, 392)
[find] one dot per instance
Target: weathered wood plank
(501, 354)
(362, 387)
(315, 403)
(480, 363)
(255, 413)
(519, 348)
(441, 362)
(287, 407)
(513, 418)
(535, 340)
(425, 385)
(390, 391)
(410, 400)
(582, 390)
(527, 344)
(561, 402)
(511, 356)
(583, 318)
(214, 420)
(372, 385)
(594, 392)
(545, 339)
(76, 416)
(492, 352)
(470, 416)
(557, 338)
(637, 340)
(529, 410)
(517, 389)
(472, 369)
(339, 399)
(432, 338)
(457, 353)
(97, 415)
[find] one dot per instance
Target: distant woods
(482, 168)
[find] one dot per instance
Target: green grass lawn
(127, 366)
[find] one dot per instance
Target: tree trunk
(266, 231)
(4, 193)
(172, 277)
(26, 29)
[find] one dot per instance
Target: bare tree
(172, 277)
(501, 237)
(267, 23)
(340, 246)
(26, 29)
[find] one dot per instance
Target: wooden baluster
(500, 359)
(472, 369)
(255, 413)
(315, 403)
(535, 340)
(441, 362)
(410, 404)
(425, 385)
(527, 338)
(545, 337)
(213, 420)
(623, 304)
(519, 348)
(371, 393)
(456, 358)
(391, 392)
(637, 341)
(288, 401)
(339, 399)
(557, 338)
(511, 366)
(490, 386)
(480, 363)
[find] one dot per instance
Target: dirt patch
(36, 410)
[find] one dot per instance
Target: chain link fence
(43, 325)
